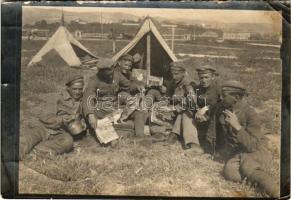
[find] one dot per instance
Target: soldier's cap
(204, 69)
(136, 58)
(74, 79)
(233, 85)
(177, 66)
(105, 63)
(126, 57)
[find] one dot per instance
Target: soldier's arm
(124, 83)
(128, 85)
(64, 114)
(250, 135)
(89, 97)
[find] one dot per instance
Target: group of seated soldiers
(220, 122)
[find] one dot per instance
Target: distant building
(80, 21)
(35, 33)
(236, 36)
(209, 34)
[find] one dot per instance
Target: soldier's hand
(232, 119)
(92, 121)
(200, 114)
(163, 89)
(68, 118)
(140, 87)
(179, 108)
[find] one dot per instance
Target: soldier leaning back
(53, 133)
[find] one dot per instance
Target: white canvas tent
(149, 43)
(66, 46)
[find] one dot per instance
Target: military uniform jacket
(208, 96)
(67, 109)
(179, 91)
(249, 139)
(100, 90)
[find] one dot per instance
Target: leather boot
(194, 147)
(172, 138)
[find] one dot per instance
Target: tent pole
(173, 37)
(148, 61)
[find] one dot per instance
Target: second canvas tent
(66, 47)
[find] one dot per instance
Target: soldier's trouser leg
(177, 125)
(123, 97)
(28, 140)
(253, 167)
(140, 116)
(190, 134)
(139, 119)
(58, 144)
(154, 94)
(231, 170)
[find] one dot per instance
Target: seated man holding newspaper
(100, 100)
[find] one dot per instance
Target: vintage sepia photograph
(150, 102)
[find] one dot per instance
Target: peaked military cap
(74, 79)
(206, 69)
(177, 66)
(126, 57)
(105, 63)
(233, 85)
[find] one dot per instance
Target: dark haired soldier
(240, 141)
(53, 135)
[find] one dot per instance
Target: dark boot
(114, 143)
(194, 147)
(172, 138)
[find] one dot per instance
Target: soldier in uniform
(53, 134)
(103, 87)
(240, 141)
(101, 94)
(125, 65)
(208, 93)
(182, 90)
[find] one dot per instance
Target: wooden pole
(173, 37)
(113, 45)
(148, 61)
(101, 25)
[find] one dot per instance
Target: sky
(226, 16)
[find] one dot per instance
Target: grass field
(139, 167)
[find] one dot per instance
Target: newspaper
(105, 131)
(140, 75)
(155, 81)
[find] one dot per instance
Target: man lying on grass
(54, 133)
